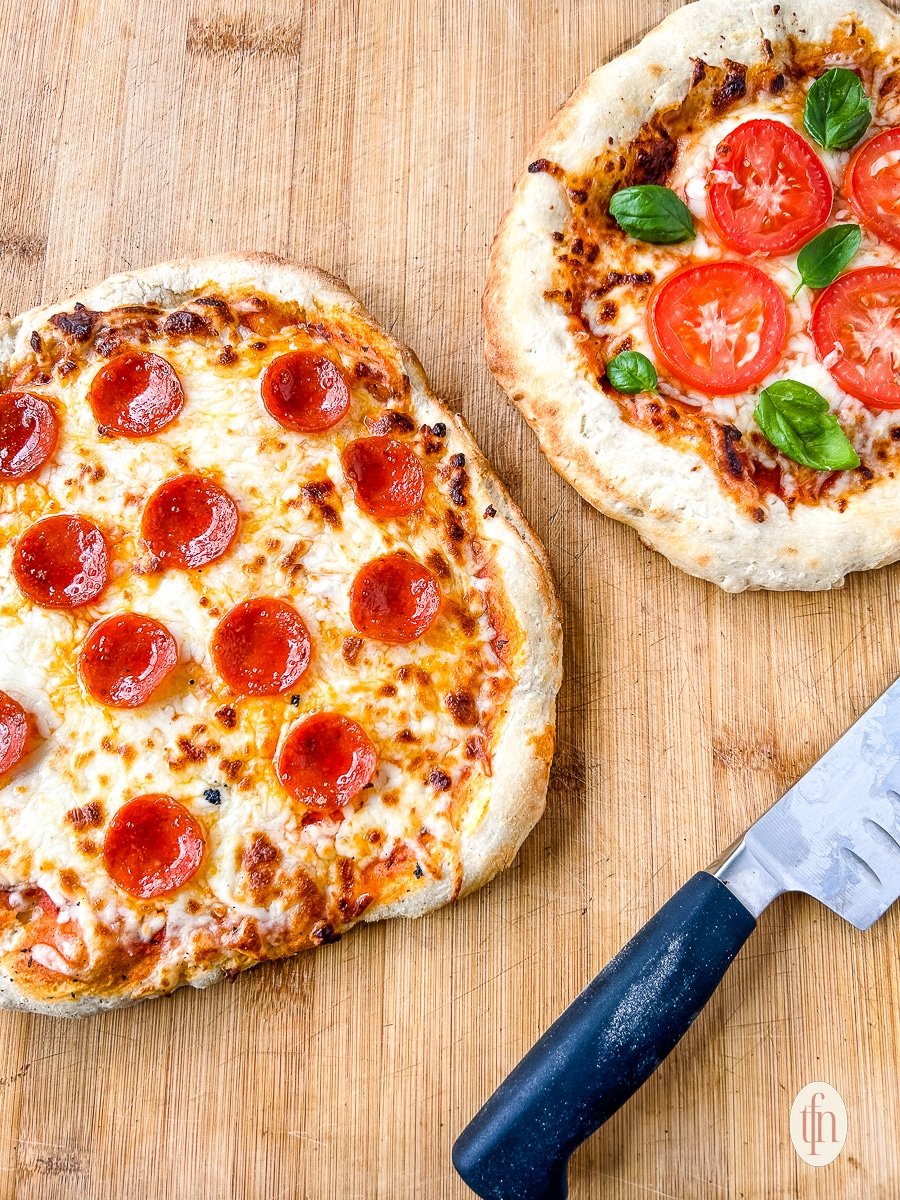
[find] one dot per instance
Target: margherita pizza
(277, 651)
(695, 296)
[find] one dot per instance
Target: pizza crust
(522, 749)
(670, 496)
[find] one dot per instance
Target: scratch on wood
(222, 38)
(22, 246)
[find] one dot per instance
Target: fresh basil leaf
(837, 111)
(796, 419)
(631, 372)
(652, 214)
(822, 260)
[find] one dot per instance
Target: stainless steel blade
(836, 834)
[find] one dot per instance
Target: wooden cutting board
(381, 140)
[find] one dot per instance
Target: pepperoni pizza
(277, 651)
(695, 296)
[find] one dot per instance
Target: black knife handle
(603, 1047)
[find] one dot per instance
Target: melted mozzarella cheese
(194, 734)
(799, 361)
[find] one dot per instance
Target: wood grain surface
(381, 140)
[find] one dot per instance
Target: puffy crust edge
(669, 495)
(522, 750)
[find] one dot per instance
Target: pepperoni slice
(394, 599)
(189, 522)
(153, 846)
(136, 395)
(261, 647)
(386, 476)
(326, 760)
(13, 732)
(305, 391)
(62, 561)
(125, 658)
(29, 432)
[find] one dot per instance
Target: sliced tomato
(856, 328)
(719, 327)
(769, 191)
(872, 184)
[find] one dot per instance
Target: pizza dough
(567, 289)
(277, 651)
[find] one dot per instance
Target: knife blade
(834, 835)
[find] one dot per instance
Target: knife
(835, 835)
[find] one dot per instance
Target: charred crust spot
(577, 195)
(462, 707)
(458, 484)
(227, 716)
(557, 235)
(734, 85)
(438, 564)
(439, 780)
(614, 279)
(260, 851)
(417, 871)
(458, 460)
(474, 748)
(108, 345)
(318, 492)
(698, 71)
(186, 323)
(85, 816)
(733, 461)
(232, 768)
(431, 443)
(759, 515)
(350, 649)
(542, 166)
(212, 796)
(607, 310)
(777, 84)
(655, 154)
(866, 472)
(455, 531)
(391, 421)
(35, 341)
(214, 302)
(77, 325)
(292, 562)
(66, 367)
(439, 429)
(227, 356)
(387, 689)
(767, 48)
(191, 751)
(490, 511)
(323, 934)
